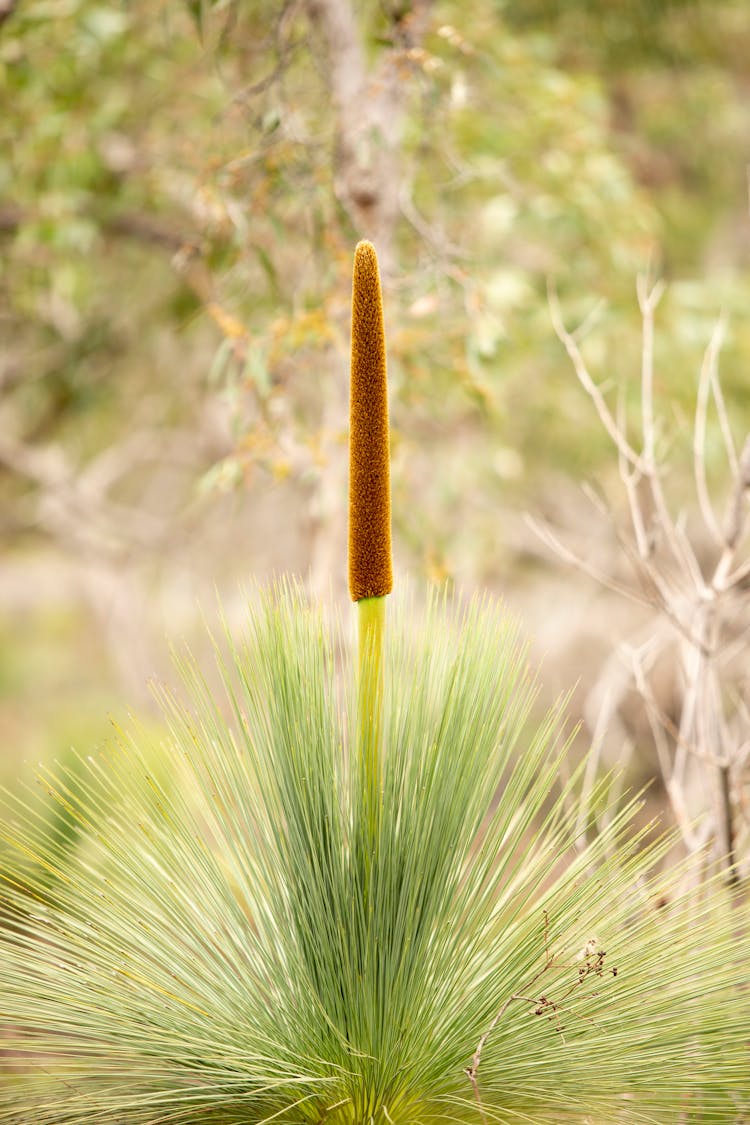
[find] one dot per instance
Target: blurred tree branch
(7, 8)
(370, 106)
(72, 501)
(700, 592)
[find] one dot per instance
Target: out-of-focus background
(181, 188)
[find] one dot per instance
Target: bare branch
(689, 558)
(707, 378)
(665, 723)
(662, 596)
(700, 753)
(695, 664)
(737, 509)
(569, 343)
(648, 299)
(736, 577)
(725, 805)
(631, 479)
(547, 536)
(721, 413)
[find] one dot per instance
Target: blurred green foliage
(171, 235)
(580, 142)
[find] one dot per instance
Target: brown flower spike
(370, 566)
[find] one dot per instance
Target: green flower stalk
(370, 565)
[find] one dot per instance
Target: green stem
(371, 628)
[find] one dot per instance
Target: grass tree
(370, 900)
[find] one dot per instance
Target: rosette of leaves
(226, 953)
(369, 900)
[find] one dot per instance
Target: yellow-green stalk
(370, 566)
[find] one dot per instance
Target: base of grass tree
(229, 943)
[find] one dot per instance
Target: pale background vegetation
(181, 189)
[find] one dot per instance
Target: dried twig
(702, 752)
(591, 964)
(569, 342)
(706, 382)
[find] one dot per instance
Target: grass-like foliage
(237, 949)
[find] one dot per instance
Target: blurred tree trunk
(369, 110)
